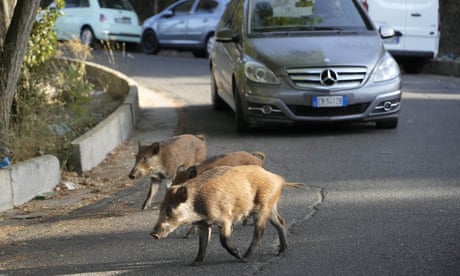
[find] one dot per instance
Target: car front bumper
(276, 104)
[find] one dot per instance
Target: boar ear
(181, 194)
(155, 148)
(191, 172)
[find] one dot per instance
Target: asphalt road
(388, 204)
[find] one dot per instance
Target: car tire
(240, 119)
(150, 43)
(387, 124)
(217, 102)
(87, 37)
(204, 53)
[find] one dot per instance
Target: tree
(14, 43)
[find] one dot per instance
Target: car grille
(331, 78)
(300, 110)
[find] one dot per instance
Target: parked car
(417, 23)
(98, 20)
(303, 61)
(185, 25)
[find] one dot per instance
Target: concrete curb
(92, 147)
(21, 182)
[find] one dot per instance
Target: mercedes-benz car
(312, 61)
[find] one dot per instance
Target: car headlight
(257, 72)
(387, 69)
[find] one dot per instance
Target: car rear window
(116, 4)
(308, 15)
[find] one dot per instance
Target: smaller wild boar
(160, 160)
(221, 196)
(237, 158)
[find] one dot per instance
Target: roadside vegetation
(47, 112)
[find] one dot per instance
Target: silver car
(313, 61)
(185, 25)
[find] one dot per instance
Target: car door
(422, 32)
(228, 54)
(172, 26)
(201, 21)
(68, 25)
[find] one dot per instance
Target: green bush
(47, 113)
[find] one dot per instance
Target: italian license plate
(330, 101)
(123, 20)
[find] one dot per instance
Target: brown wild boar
(222, 196)
(237, 158)
(160, 160)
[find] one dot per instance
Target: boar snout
(133, 174)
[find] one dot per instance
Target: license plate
(330, 101)
(123, 20)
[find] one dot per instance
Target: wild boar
(236, 158)
(160, 160)
(222, 196)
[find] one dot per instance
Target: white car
(417, 25)
(96, 20)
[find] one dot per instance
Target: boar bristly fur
(160, 160)
(222, 196)
(237, 158)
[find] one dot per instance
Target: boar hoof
(195, 263)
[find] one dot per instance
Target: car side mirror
(168, 14)
(387, 32)
(226, 35)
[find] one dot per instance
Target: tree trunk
(12, 55)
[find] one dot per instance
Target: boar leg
(152, 191)
(259, 229)
(278, 222)
(225, 233)
(205, 235)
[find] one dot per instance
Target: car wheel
(87, 36)
(150, 43)
(387, 124)
(240, 119)
(217, 102)
(204, 53)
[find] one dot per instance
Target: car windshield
(304, 15)
(116, 4)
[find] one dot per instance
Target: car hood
(281, 52)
